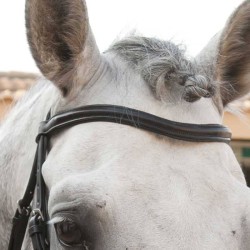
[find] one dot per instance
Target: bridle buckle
(38, 214)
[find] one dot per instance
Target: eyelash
(61, 217)
(57, 219)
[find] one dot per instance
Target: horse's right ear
(233, 61)
(61, 41)
(226, 58)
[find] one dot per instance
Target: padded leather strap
(37, 224)
(22, 214)
(137, 119)
(19, 225)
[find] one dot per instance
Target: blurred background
(191, 23)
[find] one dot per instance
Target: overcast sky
(191, 22)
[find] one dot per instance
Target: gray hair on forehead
(162, 64)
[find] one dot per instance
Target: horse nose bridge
(78, 191)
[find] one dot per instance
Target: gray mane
(163, 65)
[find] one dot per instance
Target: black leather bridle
(37, 214)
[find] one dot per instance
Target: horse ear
(61, 41)
(233, 61)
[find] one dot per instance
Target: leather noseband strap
(86, 114)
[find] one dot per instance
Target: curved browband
(137, 119)
(93, 113)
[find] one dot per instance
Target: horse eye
(69, 234)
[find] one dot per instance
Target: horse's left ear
(61, 41)
(233, 60)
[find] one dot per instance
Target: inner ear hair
(233, 68)
(57, 32)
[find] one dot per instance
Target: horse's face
(115, 187)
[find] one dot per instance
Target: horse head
(112, 186)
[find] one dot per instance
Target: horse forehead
(92, 152)
(147, 190)
(85, 147)
(127, 155)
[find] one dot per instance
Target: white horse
(112, 186)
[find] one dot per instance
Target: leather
(37, 232)
(137, 119)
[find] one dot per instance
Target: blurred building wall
(12, 86)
